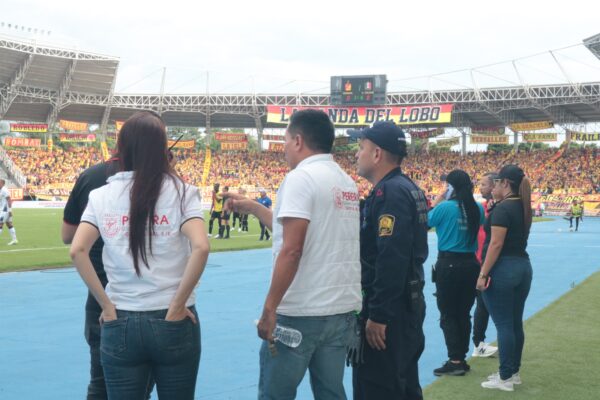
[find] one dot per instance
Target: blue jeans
(139, 346)
(322, 351)
(505, 300)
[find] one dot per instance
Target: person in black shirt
(90, 179)
(506, 273)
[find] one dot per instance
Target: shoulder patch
(386, 225)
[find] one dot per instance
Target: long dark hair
(463, 193)
(142, 148)
(521, 186)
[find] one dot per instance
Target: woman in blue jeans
(505, 277)
(155, 249)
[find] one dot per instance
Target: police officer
(393, 248)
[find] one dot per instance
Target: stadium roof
(40, 83)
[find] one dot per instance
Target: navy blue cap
(385, 134)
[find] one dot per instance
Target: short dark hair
(315, 127)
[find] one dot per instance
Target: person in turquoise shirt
(457, 221)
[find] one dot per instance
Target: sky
(294, 47)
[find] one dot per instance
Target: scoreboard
(358, 90)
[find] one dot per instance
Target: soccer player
(6, 212)
(216, 209)
(225, 215)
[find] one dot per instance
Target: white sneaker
(499, 384)
(210, 235)
(239, 229)
(515, 379)
(484, 350)
(13, 242)
(217, 237)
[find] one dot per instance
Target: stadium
(60, 114)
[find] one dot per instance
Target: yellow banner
(50, 144)
(29, 128)
(104, 149)
(584, 137)
(531, 126)
(73, 125)
(182, 144)
(448, 142)
(276, 147)
(424, 114)
(119, 125)
(489, 139)
(488, 130)
(226, 146)
(540, 137)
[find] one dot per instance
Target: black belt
(452, 254)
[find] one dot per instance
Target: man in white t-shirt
(315, 286)
(6, 213)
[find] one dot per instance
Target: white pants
(5, 217)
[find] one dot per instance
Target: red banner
(16, 194)
(21, 142)
(426, 133)
(77, 137)
(359, 116)
(276, 147)
(231, 137)
(228, 146)
(29, 128)
(73, 125)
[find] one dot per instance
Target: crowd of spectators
(577, 171)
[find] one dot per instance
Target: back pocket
(113, 338)
(173, 335)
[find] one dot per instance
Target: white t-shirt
(328, 278)
(4, 195)
(108, 210)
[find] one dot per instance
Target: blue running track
(43, 354)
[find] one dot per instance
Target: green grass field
(40, 245)
(560, 360)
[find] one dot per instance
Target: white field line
(34, 249)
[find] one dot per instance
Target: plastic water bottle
(288, 336)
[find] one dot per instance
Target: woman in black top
(505, 277)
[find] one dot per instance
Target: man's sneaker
(210, 235)
(13, 242)
(499, 384)
(451, 369)
(515, 379)
(466, 366)
(218, 237)
(484, 350)
(239, 229)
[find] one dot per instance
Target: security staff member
(393, 248)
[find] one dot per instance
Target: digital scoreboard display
(358, 90)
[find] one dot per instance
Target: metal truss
(36, 49)
(8, 93)
(57, 104)
(502, 104)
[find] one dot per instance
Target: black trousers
(576, 222)
(480, 320)
(244, 222)
(264, 232)
(456, 278)
(236, 216)
(393, 374)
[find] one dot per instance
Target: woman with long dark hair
(506, 273)
(457, 223)
(155, 249)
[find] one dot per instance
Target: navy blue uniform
(393, 248)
